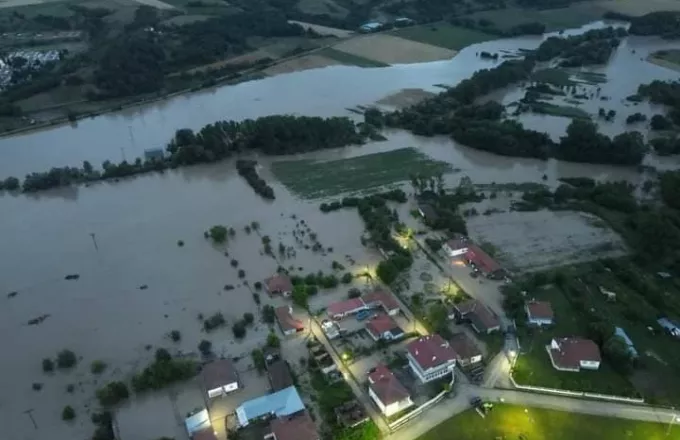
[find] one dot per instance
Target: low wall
(576, 393)
(418, 411)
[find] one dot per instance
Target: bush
(47, 365)
(234, 263)
(205, 347)
(113, 393)
(268, 314)
(257, 285)
(258, 360)
(241, 273)
(256, 298)
(162, 355)
(175, 335)
(353, 293)
(180, 243)
(68, 413)
(215, 321)
(218, 233)
(66, 359)
(239, 329)
(97, 367)
(347, 278)
(37, 386)
(273, 340)
(163, 372)
(248, 318)
(70, 388)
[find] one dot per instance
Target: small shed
(219, 378)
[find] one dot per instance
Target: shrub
(248, 318)
(97, 367)
(37, 386)
(47, 365)
(354, 293)
(113, 393)
(273, 340)
(311, 290)
(257, 285)
(162, 355)
(268, 314)
(241, 273)
(163, 372)
(70, 388)
(68, 413)
(180, 243)
(234, 263)
(66, 359)
(175, 335)
(346, 278)
(213, 322)
(256, 298)
(239, 329)
(205, 347)
(258, 360)
(218, 233)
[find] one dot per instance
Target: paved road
(450, 407)
(361, 396)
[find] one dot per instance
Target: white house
(456, 246)
(387, 392)
(539, 313)
(431, 357)
(219, 378)
(574, 354)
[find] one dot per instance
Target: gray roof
(667, 323)
(618, 331)
(219, 373)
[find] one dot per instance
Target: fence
(576, 393)
(416, 412)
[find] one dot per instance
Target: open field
(311, 179)
(637, 8)
(543, 239)
(302, 63)
(324, 30)
(510, 422)
(405, 98)
(391, 49)
(443, 35)
(666, 58)
(349, 58)
(575, 15)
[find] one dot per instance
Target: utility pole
(29, 412)
(94, 241)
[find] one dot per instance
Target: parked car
(363, 315)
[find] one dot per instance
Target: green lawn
(554, 19)
(444, 35)
(533, 365)
(314, 179)
(510, 422)
(348, 58)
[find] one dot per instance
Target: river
(119, 236)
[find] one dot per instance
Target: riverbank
(669, 59)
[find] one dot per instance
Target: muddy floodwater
(136, 283)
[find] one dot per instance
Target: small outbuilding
(467, 352)
(384, 327)
(539, 313)
(287, 322)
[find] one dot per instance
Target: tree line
(272, 135)
(593, 47)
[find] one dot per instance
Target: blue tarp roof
(197, 422)
(618, 331)
(281, 403)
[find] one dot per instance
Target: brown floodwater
(137, 223)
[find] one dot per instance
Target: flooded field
(529, 241)
(136, 283)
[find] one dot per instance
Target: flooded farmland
(136, 283)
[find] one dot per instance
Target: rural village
(486, 253)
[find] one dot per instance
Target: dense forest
(593, 47)
(666, 93)
(272, 135)
(664, 23)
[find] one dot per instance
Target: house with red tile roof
(481, 318)
(219, 377)
(574, 354)
(387, 392)
(383, 327)
(384, 299)
(341, 309)
(483, 262)
(298, 426)
(287, 322)
(539, 313)
(279, 284)
(431, 357)
(466, 350)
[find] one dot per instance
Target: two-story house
(387, 392)
(431, 357)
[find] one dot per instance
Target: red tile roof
(383, 298)
(431, 351)
(464, 346)
(219, 373)
(204, 434)
(344, 307)
(386, 386)
(540, 310)
(480, 315)
(298, 426)
(286, 320)
(574, 350)
(481, 259)
(381, 324)
(279, 283)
